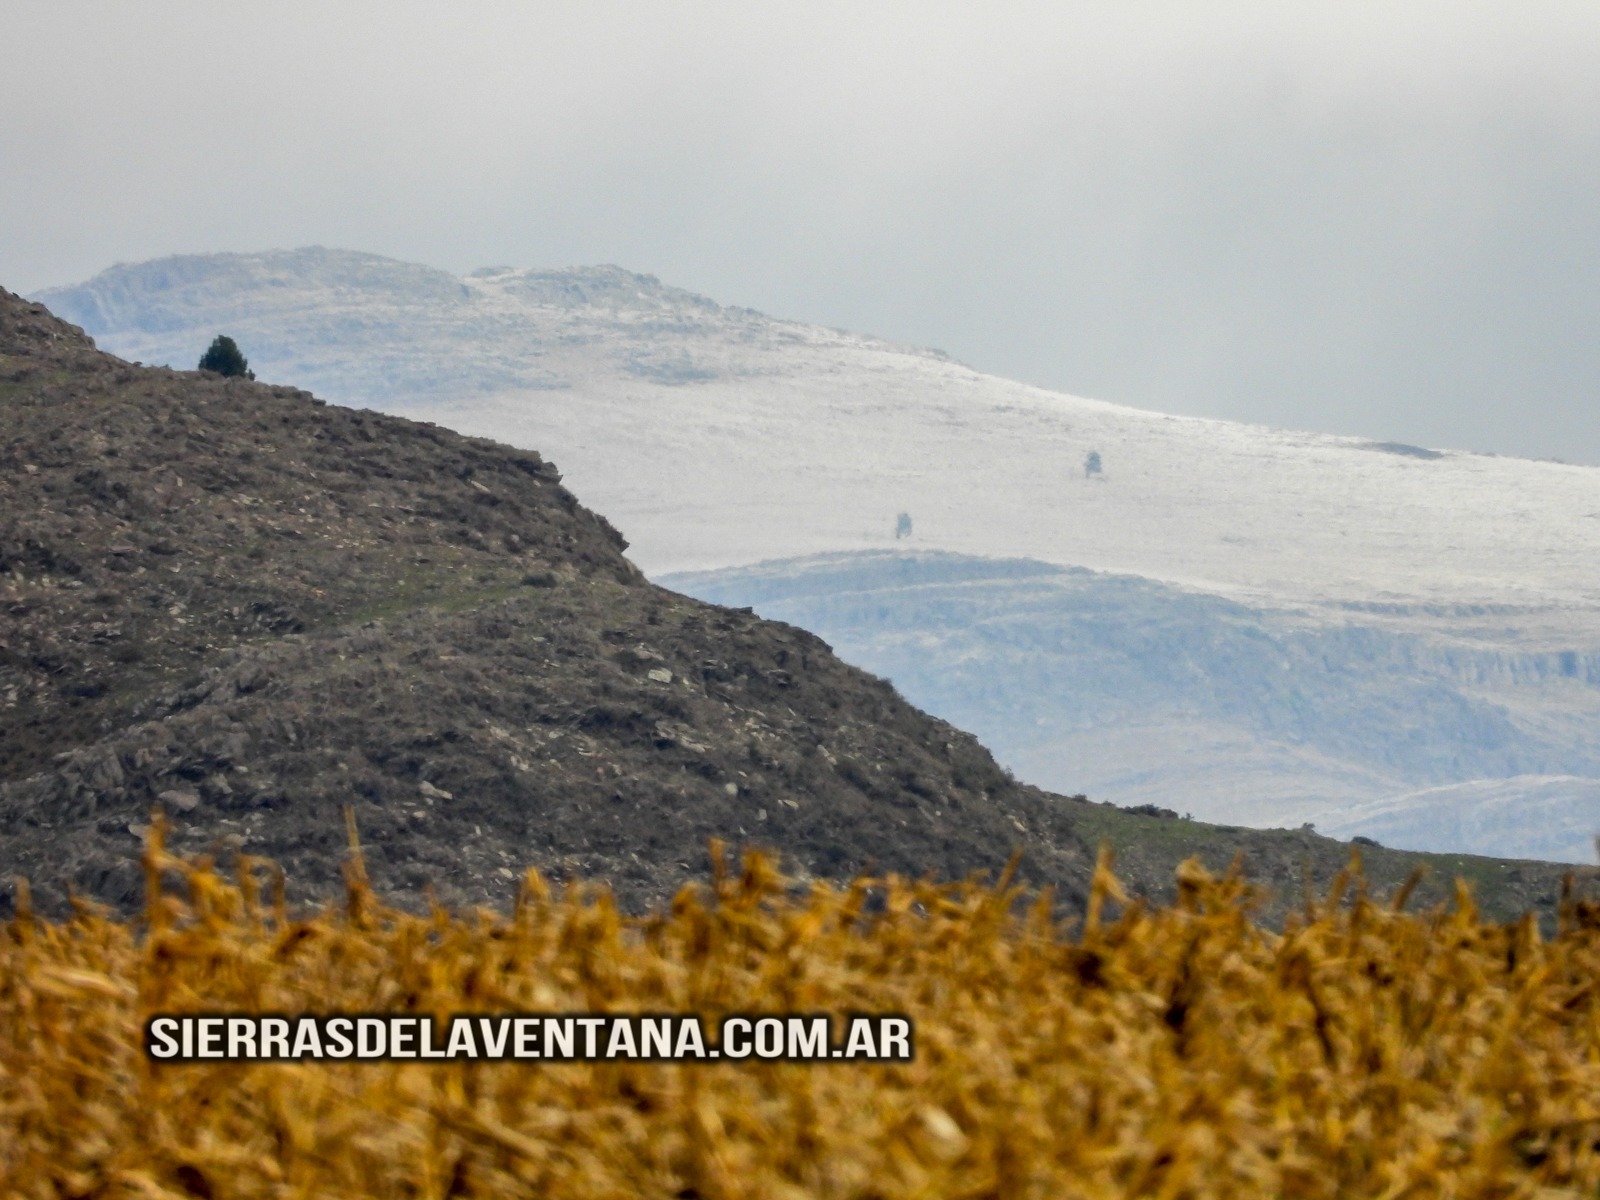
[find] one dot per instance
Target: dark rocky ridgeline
(253, 609)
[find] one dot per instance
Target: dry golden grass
(1182, 1052)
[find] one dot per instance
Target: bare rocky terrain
(253, 609)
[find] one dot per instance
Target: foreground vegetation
(1183, 1051)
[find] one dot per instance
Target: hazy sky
(1370, 218)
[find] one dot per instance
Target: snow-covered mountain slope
(1553, 817)
(1143, 693)
(717, 438)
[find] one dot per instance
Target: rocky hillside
(252, 609)
(1279, 625)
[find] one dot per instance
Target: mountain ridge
(721, 438)
(250, 607)
(1344, 522)
(253, 609)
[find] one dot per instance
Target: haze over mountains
(1250, 624)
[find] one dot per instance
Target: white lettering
(590, 1025)
(769, 1038)
(161, 1029)
(402, 1037)
(307, 1039)
(558, 1035)
(375, 1045)
(621, 1035)
(690, 1037)
(210, 1031)
(895, 1031)
(241, 1037)
(493, 1047)
(808, 1037)
(461, 1041)
(428, 1050)
(655, 1034)
(274, 1037)
(338, 1031)
(527, 1037)
(861, 1038)
(736, 1037)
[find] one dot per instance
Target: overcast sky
(1379, 219)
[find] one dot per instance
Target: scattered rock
(183, 801)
